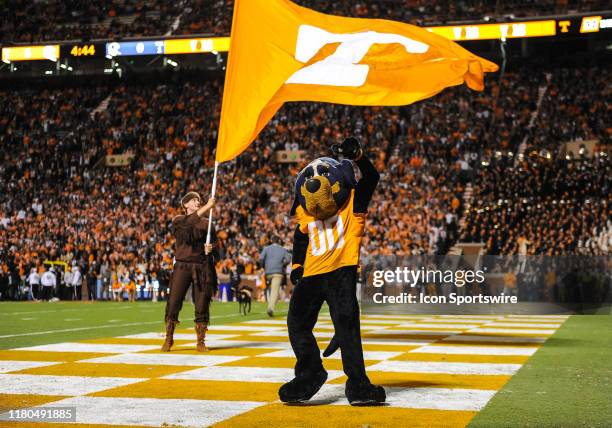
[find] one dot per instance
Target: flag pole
(212, 195)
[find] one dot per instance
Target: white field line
(55, 311)
(37, 333)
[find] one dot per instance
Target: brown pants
(185, 275)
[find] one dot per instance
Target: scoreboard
(168, 47)
(145, 47)
(189, 46)
(504, 31)
(116, 49)
(514, 30)
(31, 53)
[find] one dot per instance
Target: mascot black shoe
(302, 389)
(364, 394)
(330, 207)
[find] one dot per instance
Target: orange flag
(280, 52)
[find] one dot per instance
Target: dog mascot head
(323, 187)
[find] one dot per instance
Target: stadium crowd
(560, 207)
(26, 21)
(57, 203)
(569, 104)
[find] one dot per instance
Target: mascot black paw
(350, 149)
(302, 388)
(330, 208)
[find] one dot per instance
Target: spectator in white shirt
(140, 286)
(76, 282)
(48, 282)
(37, 207)
(5, 221)
(34, 283)
(67, 291)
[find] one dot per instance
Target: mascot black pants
(184, 275)
(338, 289)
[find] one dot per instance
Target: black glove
(296, 275)
(350, 148)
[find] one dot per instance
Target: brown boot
(170, 325)
(201, 329)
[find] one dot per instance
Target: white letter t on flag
(341, 68)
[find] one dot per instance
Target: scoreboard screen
(496, 31)
(31, 53)
(188, 46)
(145, 47)
(167, 47)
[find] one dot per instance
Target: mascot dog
(330, 207)
(244, 298)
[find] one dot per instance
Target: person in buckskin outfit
(194, 266)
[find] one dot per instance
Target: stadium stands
(54, 203)
(25, 21)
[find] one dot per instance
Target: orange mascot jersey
(334, 242)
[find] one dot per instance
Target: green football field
(567, 383)
(28, 324)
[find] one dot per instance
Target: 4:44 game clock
(83, 50)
